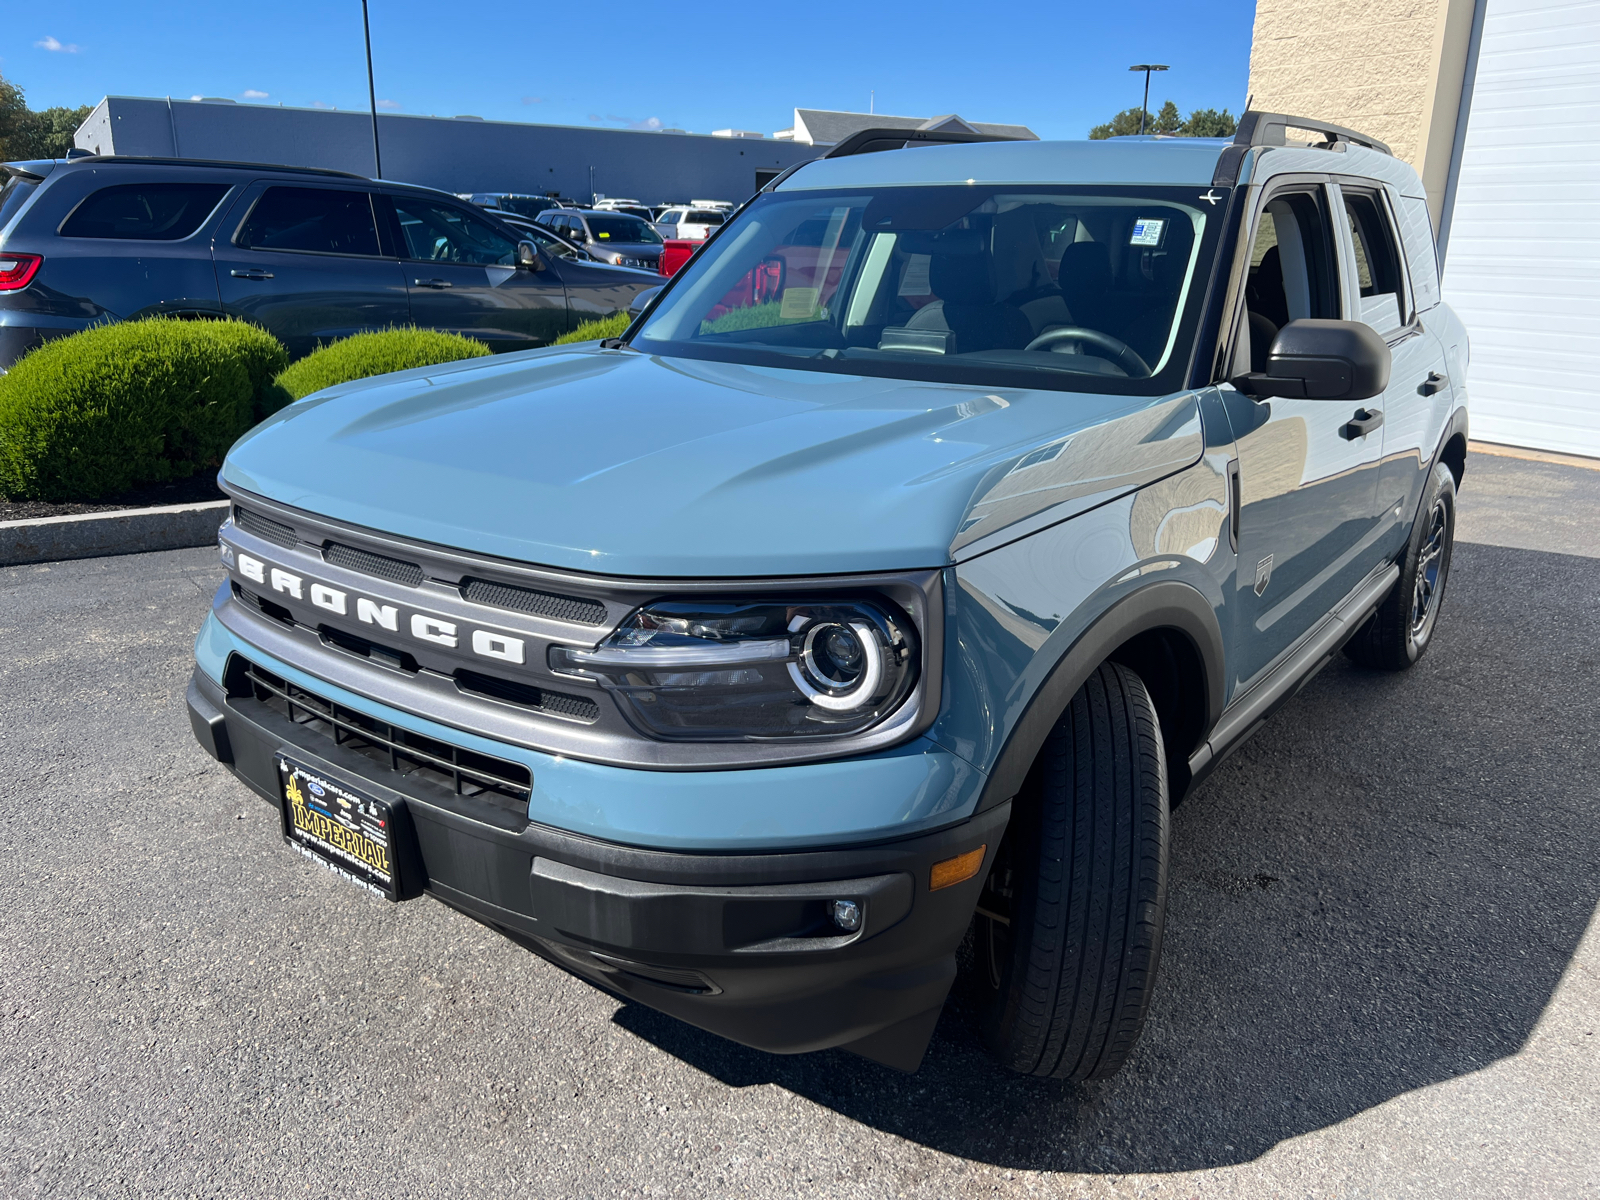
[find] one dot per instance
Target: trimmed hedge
(363, 355)
(98, 412)
(593, 331)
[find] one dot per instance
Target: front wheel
(1402, 629)
(1069, 925)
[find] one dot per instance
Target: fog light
(956, 870)
(847, 915)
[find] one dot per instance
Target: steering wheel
(1115, 349)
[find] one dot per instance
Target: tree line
(1202, 122)
(25, 133)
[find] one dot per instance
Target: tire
(1402, 629)
(1069, 926)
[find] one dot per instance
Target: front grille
(272, 531)
(579, 708)
(465, 772)
(266, 607)
(539, 604)
(393, 569)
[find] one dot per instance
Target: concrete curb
(96, 535)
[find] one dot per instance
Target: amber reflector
(956, 870)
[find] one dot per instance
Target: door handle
(251, 273)
(1363, 423)
(430, 283)
(1435, 382)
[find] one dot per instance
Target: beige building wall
(1389, 68)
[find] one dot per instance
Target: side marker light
(956, 870)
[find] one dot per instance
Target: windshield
(621, 228)
(1090, 288)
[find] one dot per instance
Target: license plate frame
(342, 828)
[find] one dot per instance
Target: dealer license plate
(340, 828)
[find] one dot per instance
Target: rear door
(462, 276)
(1382, 293)
(1308, 521)
(305, 263)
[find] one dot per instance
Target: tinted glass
(622, 229)
(702, 216)
(552, 245)
(444, 233)
(528, 206)
(1073, 289)
(317, 220)
(1377, 262)
(150, 212)
(14, 193)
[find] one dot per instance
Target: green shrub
(263, 357)
(98, 412)
(366, 354)
(593, 331)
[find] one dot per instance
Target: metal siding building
(453, 154)
(1523, 263)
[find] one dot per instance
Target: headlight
(755, 670)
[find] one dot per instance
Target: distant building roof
(822, 127)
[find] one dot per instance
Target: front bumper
(736, 943)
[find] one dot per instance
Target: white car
(695, 224)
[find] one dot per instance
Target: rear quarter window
(1416, 234)
(144, 212)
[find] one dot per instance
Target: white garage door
(1523, 261)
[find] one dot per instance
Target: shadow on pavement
(1380, 892)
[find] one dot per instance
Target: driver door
(1308, 516)
(462, 277)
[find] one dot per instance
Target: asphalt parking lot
(1381, 976)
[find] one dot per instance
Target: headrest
(961, 278)
(1085, 270)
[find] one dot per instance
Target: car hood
(629, 464)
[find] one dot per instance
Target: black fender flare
(1164, 605)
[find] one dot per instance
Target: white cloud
(197, 97)
(388, 104)
(252, 94)
(55, 47)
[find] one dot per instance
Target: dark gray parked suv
(310, 255)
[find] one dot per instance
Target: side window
(443, 233)
(316, 220)
(1377, 262)
(1416, 235)
(147, 212)
(1291, 270)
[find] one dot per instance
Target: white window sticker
(1147, 231)
(799, 304)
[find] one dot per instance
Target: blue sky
(1058, 68)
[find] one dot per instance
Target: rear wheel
(1069, 924)
(1402, 629)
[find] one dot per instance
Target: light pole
(372, 95)
(1145, 67)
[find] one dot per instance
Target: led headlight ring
(864, 688)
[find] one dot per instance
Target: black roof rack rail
(17, 171)
(871, 141)
(140, 159)
(1267, 129)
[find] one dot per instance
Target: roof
(1166, 161)
(825, 127)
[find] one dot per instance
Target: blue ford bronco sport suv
(922, 543)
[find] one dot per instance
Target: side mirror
(1314, 359)
(528, 257)
(643, 298)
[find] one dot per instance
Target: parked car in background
(520, 203)
(692, 224)
(309, 255)
(632, 207)
(675, 252)
(612, 237)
